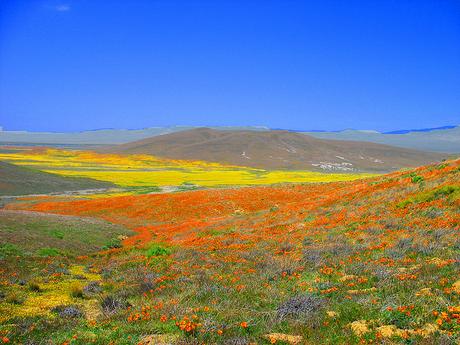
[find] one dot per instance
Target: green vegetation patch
(38, 233)
(452, 192)
(157, 250)
(9, 249)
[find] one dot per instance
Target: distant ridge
(277, 150)
(439, 139)
(405, 131)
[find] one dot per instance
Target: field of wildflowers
(148, 171)
(372, 261)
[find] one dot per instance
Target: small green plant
(309, 219)
(9, 249)
(113, 243)
(57, 234)
(414, 177)
(417, 179)
(76, 291)
(441, 166)
(49, 252)
(34, 286)
(157, 250)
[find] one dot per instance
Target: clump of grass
(76, 291)
(34, 286)
(14, 298)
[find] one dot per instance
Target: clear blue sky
(88, 64)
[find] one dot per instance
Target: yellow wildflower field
(145, 170)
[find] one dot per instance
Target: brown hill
(277, 150)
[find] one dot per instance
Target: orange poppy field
(369, 261)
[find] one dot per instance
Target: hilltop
(277, 149)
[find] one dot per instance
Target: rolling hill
(16, 180)
(277, 150)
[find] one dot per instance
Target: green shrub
(414, 177)
(417, 179)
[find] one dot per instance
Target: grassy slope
(72, 236)
(16, 180)
(39, 258)
(368, 261)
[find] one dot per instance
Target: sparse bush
(146, 285)
(68, 311)
(300, 306)
(92, 288)
(432, 213)
(404, 243)
(111, 304)
(313, 256)
(237, 341)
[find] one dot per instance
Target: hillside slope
(278, 150)
(16, 180)
(361, 262)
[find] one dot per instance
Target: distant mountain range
(100, 136)
(440, 139)
(277, 149)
